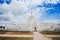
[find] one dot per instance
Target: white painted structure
(30, 24)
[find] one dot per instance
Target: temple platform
(27, 35)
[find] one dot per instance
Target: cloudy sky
(18, 11)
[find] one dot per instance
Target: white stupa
(33, 22)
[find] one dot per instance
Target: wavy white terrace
(30, 25)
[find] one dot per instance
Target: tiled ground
(37, 36)
(16, 38)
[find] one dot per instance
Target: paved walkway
(38, 36)
(7, 35)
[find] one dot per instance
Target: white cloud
(52, 1)
(15, 11)
(51, 21)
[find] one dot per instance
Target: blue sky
(17, 11)
(53, 11)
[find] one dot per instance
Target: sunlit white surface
(39, 36)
